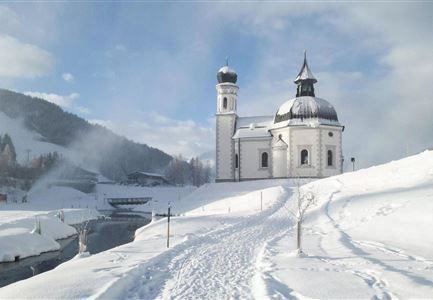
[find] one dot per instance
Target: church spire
(305, 80)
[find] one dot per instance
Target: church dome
(225, 74)
(306, 108)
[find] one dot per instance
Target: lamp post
(352, 159)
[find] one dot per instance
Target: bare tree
(83, 234)
(305, 198)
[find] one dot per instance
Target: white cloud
(83, 110)
(120, 47)
(21, 60)
(184, 137)
(66, 102)
(68, 77)
(62, 101)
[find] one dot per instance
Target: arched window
(330, 158)
(264, 159)
(304, 157)
(236, 161)
(225, 102)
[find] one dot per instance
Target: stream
(104, 234)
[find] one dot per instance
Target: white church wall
(225, 147)
(250, 158)
(279, 162)
(280, 155)
(331, 140)
(304, 138)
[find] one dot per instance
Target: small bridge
(116, 202)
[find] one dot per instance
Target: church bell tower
(227, 91)
(305, 80)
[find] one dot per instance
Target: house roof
(146, 174)
(253, 127)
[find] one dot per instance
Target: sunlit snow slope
(26, 140)
(369, 236)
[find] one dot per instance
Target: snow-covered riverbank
(368, 237)
(18, 239)
(17, 220)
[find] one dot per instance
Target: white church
(302, 139)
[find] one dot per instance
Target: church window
(330, 134)
(236, 161)
(264, 160)
(330, 158)
(225, 102)
(304, 157)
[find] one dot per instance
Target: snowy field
(369, 236)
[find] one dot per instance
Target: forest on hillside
(114, 155)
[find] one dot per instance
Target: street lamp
(352, 159)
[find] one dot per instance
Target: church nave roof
(253, 127)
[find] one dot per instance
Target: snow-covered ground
(17, 220)
(369, 236)
(17, 236)
(24, 139)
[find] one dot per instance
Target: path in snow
(380, 266)
(346, 260)
(217, 265)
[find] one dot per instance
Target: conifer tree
(8, 149)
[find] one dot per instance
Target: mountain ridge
(113, 155)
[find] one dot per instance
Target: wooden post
(168, 227)
(261, 200)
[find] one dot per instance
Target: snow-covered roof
(147, 174)
(226, 70)
(305, 72)
(258, 120)
(226, 75)
(253, 127)
(103, 179)
(307, 109)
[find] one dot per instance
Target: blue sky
(148, 70)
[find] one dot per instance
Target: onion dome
(305, 109)
(225, 74)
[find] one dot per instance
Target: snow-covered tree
(178, 171)
(8, 154)
(194, 172)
